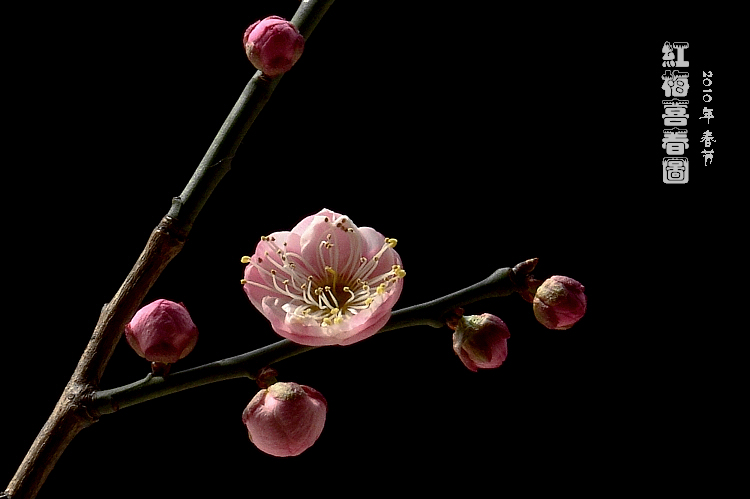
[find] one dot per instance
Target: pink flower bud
(285, 419)
(559, 302)
(273, 45)
(162, 331)
(481, 341)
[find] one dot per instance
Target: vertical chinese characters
(675, 85)
(708, 113)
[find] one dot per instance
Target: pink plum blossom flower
(285, 419)
(162, 331)
(559, 302)
(481, 341)
(273, 45)
(326, 282)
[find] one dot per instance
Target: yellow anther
(245, 259)
(327, 322)
(400, 273)
(334, 311)
(391, 242)
(338, 320)
(381, 289)
(243, 281)
(368, 302)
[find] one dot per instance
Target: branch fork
(82, 402)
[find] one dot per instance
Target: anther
(245, 259)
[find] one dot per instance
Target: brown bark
(69, 416)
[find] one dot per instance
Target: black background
(477, 136)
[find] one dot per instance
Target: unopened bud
(162, 331)
(273, 45)
(285, 419)
(559, 302)
(481, 341)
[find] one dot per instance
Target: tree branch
(502, 282)
(69, 416)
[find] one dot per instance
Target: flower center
(343, 286)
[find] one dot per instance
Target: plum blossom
(559, 302)
(481, 341)
(273, 45)
(285, 419)
(325, 282)
(162, 332)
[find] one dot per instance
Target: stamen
(301, 260)
(400, 273)
(321, 259)
(333, 297)
(323, 296)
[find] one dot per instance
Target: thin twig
(501, 283)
